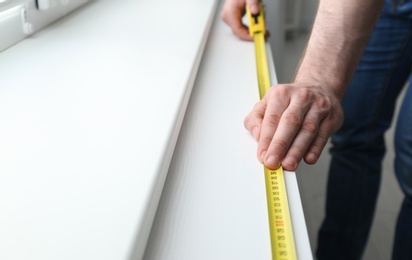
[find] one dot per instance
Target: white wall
(275, 20)
(276, 16)
(308, 11)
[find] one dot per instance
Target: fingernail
(254, 8)
(311, 158)
(273, 161)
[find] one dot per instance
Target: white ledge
(90, 110)
(213, 204)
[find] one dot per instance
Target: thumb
(253, 6)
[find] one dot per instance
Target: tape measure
(280, 224)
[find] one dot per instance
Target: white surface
(20, 18)
(275, 11)
(11, 24)
(213, 205)
(90, 109)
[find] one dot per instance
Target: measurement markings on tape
(281, 230)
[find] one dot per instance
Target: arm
(339, 36)
(294, 121)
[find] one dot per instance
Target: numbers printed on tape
(280, 224)
(281, 232)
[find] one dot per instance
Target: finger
(278, 104)
(289, 126)
(253, 120)
(253, 6)
(315, 150)
(232, 16)
(242, 31)
(303, 140)
(327, 127)
(286, 131)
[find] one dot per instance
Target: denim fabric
(358, 147)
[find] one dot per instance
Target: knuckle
(265, 140)
(258, 105)
(293, 119)
(305, 94)
(310, 127)
(251, 120)
(280, 90)
(297, 150)
(324, 103)
(317, 147)
(280, 145)
(272, 119)
(324, 133)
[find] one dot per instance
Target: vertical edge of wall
(275, 20)
(307, 14)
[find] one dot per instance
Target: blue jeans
(358, 147)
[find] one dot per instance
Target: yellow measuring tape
(281, 231)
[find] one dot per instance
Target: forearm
(340, 33)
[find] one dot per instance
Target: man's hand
(232, 14)
(293, 121)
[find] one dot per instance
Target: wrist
(326, 82)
